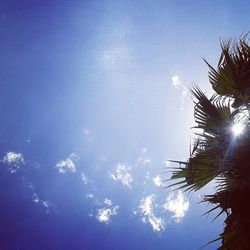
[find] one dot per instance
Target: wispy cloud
(35, 198)
(85, 179)
(122, 175)
(143, 159)
(68, 164)
(178, 205)
(146, 209)
(89, 196)
(147, 176)
(88, 134)
(49, 206)
(158, 181)
(176, 83)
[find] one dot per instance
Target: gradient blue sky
(93, 99)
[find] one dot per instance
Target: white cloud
(158, 181)
(91, 214)
(13, 158)
(176, 83)
(157, 223)
(68, 164)
(143, 161)
(178, 205)
(50, 207)
(184, 92)
(46, 204)
(108, 202)
(89, 196)
(146, 205)
(35, 198)
(85, 179)
(122, 174)
(104, 214)
(146, 208)
(175, 80)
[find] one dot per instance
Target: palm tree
(221, 150)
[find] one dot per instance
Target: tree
(221, 150)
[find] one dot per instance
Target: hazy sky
(94, 99)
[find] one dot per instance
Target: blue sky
(94, 99)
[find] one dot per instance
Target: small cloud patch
(85, 179)
(13, 158)
(175, 80)
(108, 202)
(178, 205)
(47, 205)
(146, 209)
(158, 181)
(104, 214)
(176, 83)
(122, 175)
(68, 164)
(89, 196)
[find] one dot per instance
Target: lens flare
(238, 128)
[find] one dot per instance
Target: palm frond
(217, 154)
(232, 76)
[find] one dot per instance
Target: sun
(238, 128)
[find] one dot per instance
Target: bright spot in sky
(175, 80)
(89, 196)
(158, 181)
(238, 128)
(35, 198)
(184, 92)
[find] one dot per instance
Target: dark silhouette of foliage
(221, 151)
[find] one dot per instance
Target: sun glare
(238, 128)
